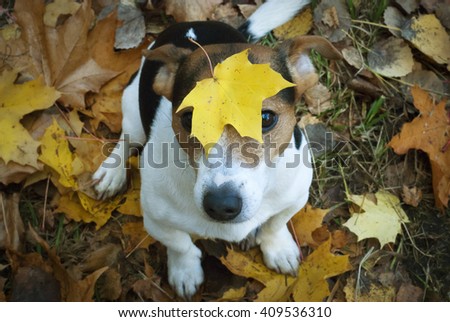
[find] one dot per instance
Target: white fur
(273, 13)
(171, 200)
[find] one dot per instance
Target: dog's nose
(223, 203)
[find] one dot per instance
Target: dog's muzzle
(222, 203)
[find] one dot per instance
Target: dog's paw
(185, 272)
(281, 254)
(109, 181)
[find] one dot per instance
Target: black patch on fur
(297, 137)
(148, 99)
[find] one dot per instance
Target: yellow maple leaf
(311, 284)
(381, 219)
(233, 96)
(56, 154)
(17, 100)
(250, 264)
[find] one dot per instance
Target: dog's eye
(186, 121)
(269, 120)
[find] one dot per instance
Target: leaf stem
(206, 54)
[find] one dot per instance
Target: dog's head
(240, 173)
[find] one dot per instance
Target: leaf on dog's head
(233, 96)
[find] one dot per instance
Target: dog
(239, 195)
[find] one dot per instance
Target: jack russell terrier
(244, 195)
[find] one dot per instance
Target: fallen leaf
(17, 100)
(132, 31)
(394, 19)
(62, 54)
(408, 5)
(14, 172)
(429, 132)
(301, 24)
(228, 14)
(56, 154)
(105, 255)
(332, 19)
(135, 236)
(409, 293)
(318, 99)
(353, 57)
(72, 290)
(27, 286)
(305, 222)
(234, 294)
(428, 35)
(391, 57)
(80, 207)
(381, 219)
(57, 8)
(110, 286)
(233, 96)
(249, 264)
(426, 80)
(371, 293)
(191, 10)
(411, 196)
(311, 284)
(11, 224)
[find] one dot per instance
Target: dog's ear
(297, 50)
(167, 59)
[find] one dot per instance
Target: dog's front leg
(280, 252)
(183, 257)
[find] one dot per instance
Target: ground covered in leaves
(377, 226)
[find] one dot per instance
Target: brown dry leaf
(305, 222)
(425, 79)
(105, 255)
(411, 196)
(14, 172)
(332, 19)
(370, 293)
(61, 54)
(301, 24)
(191, 10)
(429, 132)
(27, 286)
(110, 287)
(131, 32)
(318, 99)
(428, 35)
(106, 105)
(2, 285)
(135, 236)
(408, 5)
(391, 57)
(11, 224)
(311, 284)
(228, 14)
(250, 264)
(353, 57)
(409, 293)
(72, 290)
(394, 18)
(58, 8)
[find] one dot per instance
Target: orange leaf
(306, 221)
(429, 132)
